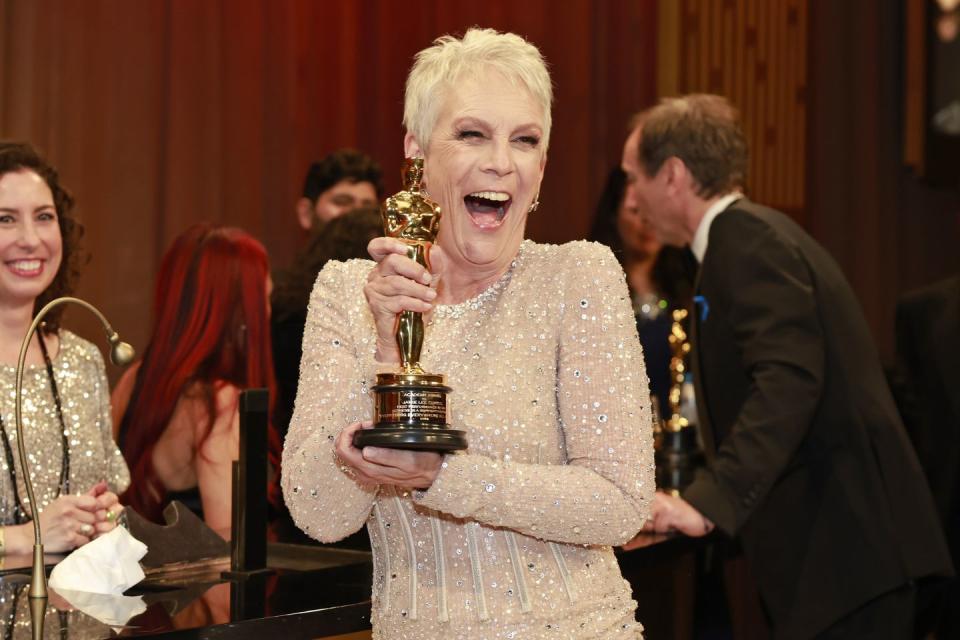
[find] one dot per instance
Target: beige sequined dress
(85, 396)
(513, 539)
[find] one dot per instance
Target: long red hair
(211, 328)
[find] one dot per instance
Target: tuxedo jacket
(809, 464)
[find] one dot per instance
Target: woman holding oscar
(512, 537)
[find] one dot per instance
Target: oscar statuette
(410, 405)
(677, 453)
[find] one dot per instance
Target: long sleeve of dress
(324, 500)
(600, 492)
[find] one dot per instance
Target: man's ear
(305, 214)
(677, 175)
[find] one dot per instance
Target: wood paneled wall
(754, 52)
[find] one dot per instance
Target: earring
(536, 203)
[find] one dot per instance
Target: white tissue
(112, 610)
(110, 565)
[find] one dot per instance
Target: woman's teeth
(25, 266)
(487, 208)
(490, 195)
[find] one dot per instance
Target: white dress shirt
(699, 243)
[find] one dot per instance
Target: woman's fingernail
(431, 293)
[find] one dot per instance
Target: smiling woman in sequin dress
(511, 538)
(77, 469)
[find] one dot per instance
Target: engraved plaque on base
(411, 413)
(410, 405)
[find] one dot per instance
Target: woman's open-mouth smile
(487, 209)
(27, 268)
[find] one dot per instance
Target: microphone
(121, 354)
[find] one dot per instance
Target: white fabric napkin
(110, 564)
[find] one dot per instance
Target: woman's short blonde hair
(439, 66)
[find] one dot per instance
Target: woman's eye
(46, 216)
(6, 219)
(468, 134)
(531, 141)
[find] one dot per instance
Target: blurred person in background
(342, 238)
(659, 278)
(178, 409)
(341, 181)
(927, 388)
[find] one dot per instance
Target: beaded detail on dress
(85, 397)
(484, 297)
(513, 539)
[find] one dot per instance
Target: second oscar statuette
(410, 405)
(677, 453)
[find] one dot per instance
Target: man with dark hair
(809, 465)
(344, 180)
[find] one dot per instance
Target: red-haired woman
(180, 422)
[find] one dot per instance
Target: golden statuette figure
(677, 453)
(415, 219)
(679, 348)
(410, 406)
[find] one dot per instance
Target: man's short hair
(343, 164)
(703, 131)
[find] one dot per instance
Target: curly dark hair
(703, 131)
(343, 164)
(341, 238)
(20, 156)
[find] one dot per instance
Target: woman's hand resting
(397, 284)
(68, 522)
(377, 465)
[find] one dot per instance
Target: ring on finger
(86, 529)
(111, 516)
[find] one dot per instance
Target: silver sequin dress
(85, 395)
(513, 539)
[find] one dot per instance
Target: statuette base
(410, 412)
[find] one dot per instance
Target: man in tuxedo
(808, 463)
